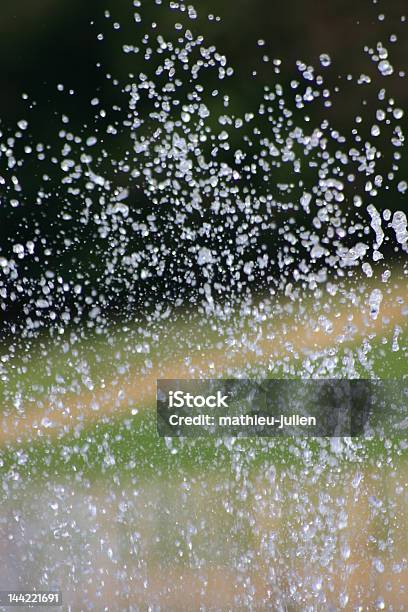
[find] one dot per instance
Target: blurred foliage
(50, 42)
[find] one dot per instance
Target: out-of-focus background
(53, 44)
(93, 502)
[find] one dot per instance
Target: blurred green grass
(83, 360)
(130, 445)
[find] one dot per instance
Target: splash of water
(232, 242)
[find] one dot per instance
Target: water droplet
(325, 60)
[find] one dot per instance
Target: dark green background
(48, 42)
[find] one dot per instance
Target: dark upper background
(51, 41)
(47, 42)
